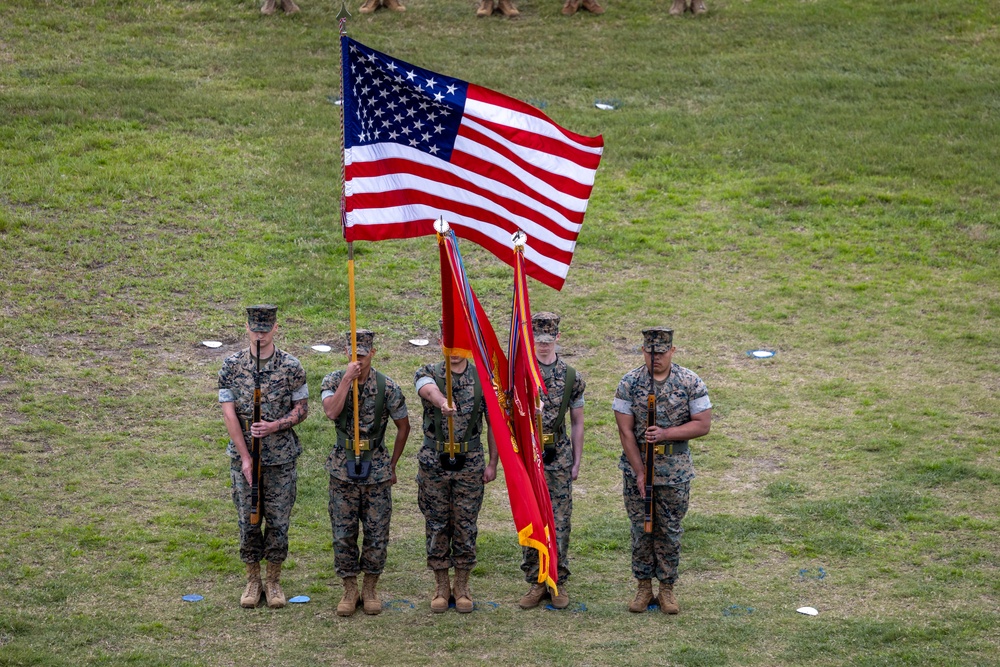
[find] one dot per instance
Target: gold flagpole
(441, 227)
(342, 17)
(354, 353)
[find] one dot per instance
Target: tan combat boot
(643, 596)
(508, 9)
(533, 597)
(251, 594)
(442, 592)
(667, 601)
(289, 7)
(698, 7)
(349, 602)
(272, 589)
(570, 7)
(267, 8)
(592, 6)
(678, 8)
(485, 8)
(368, 595)
(394, 5)
(561, 599)
(369, 6)
(463, 598)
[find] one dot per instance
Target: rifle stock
(650, 450)
(255, 504)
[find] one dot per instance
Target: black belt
(474, 445)
(365, 445)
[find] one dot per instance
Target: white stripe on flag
(394, 215)
(554, 164)
(395, 181)
(522, 121)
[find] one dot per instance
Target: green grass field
(817, 177)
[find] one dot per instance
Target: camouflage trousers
(560, 483)
(450, 502)
(371, 506)
(278, 490)
(656, 555)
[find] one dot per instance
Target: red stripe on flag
(447, 178)
(557, 181)
(543, 144)
(488, 96)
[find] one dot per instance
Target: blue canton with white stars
(388, 100)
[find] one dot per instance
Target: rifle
(650, 448)
(255, 504)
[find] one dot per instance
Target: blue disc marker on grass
(737, 610)
(193, 598)
(298, 599)
(398, 605)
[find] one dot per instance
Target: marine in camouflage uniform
(367, 500)
(284, 396)
(450, 500)
(562, 454)
(683, 412)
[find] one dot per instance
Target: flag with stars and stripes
(419, 146)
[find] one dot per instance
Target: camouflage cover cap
(657, 339)
(545, 326)
(262, 318)
(366, 341)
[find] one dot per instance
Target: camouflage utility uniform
(682, 394)
(282, 381)
(558, 470)
(366, 500)
(450, 500)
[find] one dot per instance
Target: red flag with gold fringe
(466, 328)
(527, 386)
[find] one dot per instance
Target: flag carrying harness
(376, 437)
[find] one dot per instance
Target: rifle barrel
(255, 508)
(650, 451)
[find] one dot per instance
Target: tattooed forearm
(299, 411)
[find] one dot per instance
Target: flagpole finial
(519, 239)
(441, 226)
(343, 14)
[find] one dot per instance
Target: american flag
(420, 145)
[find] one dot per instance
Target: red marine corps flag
(527, 386)
(419, 145)
(465, 327)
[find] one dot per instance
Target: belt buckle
(460, 447)
(548, 438)
(660, 449)
(363, 445)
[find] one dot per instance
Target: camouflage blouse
(395, 408)
(463, 394)
(282, 382)
(678, 397)
(554, 376)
